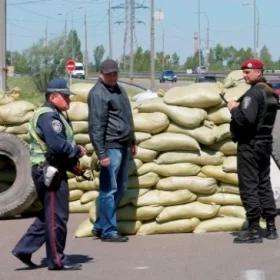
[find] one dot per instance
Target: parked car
(275, 85)
(167, 75)
(200, 70)
(205, 79)
(79, 71)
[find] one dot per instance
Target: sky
(230, 24)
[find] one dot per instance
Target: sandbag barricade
(183, 178)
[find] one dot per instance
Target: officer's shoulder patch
(57, 126)
(246, 102)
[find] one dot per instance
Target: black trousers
(253, 167)
(50, 225)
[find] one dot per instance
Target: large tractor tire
(17, 190)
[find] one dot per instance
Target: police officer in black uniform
(253, 117)
(53, 152)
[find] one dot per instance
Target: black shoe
(250, 236)
(114, 237)
(96, 232)
(271, 231)
(26, 259)
(75, 266)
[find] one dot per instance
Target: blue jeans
(113, 184)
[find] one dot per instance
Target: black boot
(252, 235)
(271, 231)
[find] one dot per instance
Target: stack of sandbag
(184, 176)
(15, 116)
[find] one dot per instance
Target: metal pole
(255, 28)
(3, 68)
(110, 30)
(199, 52)
(163, 43)
(258, 33)
(131, 27)
(86, 48)
(152, 46)
(125, 34)
(207, 41)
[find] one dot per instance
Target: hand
(105, 162)
(134, 150)
(82, 150)
(232, 104)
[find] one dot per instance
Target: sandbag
(197, 95)
(145, 213)
(85, 162)
(220, 224)
(186, 117)
(150, 122)
(147, 180)
(19, 129)
(227, 147)
(191, 210)
(87, 185)
(84, 229)
(236, 92)
(75, 195)
(130, 195)
(230, 164)
(232, 211)
(78, 111)
(219, 115)
(89, 196)
(78, 207)
(202, 134)
(145, 155)
(81, 138)
(164, 198)
(170, 142)
(202, 157)
(81, 91)
(79, 126)
(166, 170)
(233, 79)
(221, 199)
(192, 183)
(141, 136)
(222, 132)
(178, 226)
(129, 227)
(17, 112)
(227, 188)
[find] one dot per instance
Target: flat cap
(109, 66)
(58, 85)
(252, 63)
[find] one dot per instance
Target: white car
(79, 71)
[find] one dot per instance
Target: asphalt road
(210, 256)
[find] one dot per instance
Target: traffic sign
(70, 65)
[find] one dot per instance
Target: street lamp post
(256, 26)
(199, 35)
(3, 68)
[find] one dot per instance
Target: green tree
(265, 56)
(46, 62)
(19, 61)
(73, 47)
(98, 54)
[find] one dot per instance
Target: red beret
(252, 63)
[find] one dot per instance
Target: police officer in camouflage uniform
(52, 144)
(253, 117)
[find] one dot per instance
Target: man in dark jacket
(53, 152)
(111, 132)
(253, 117)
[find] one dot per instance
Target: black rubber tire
(21, 194)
